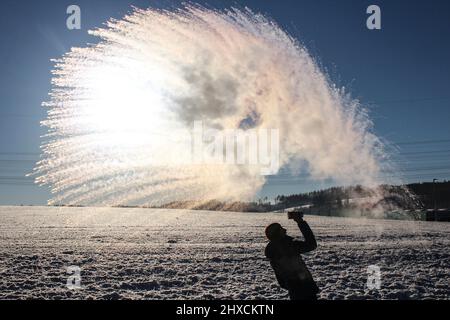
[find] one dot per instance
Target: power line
(422, 142)
(412, 100)
(18, 160)
(20, 153)
(17, 184)
(424, 152)
(20, 177)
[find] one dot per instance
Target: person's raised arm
(310, 243)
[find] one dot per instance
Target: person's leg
(299, 295)
(293, 295)
(312, 297)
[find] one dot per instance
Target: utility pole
(434, 198)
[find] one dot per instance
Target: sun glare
(123, 106)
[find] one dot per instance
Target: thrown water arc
(155, 72)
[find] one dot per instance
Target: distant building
(438, 215)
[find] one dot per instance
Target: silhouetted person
(284, 255)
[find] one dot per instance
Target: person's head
(275, 231)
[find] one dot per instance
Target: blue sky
(402, 72)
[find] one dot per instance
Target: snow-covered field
(180, 254)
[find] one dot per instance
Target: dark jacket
(290, 269)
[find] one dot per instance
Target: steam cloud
(117, 107)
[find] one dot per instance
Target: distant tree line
(428, 192)
(338, 201)
(424, 195)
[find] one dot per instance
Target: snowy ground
(174, 254)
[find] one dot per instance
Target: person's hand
(298, 217)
